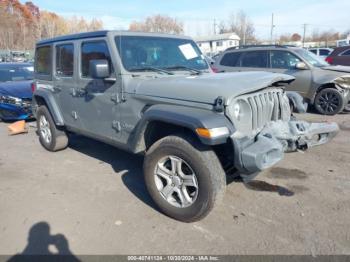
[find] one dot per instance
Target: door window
(255, 59)
(324, 52)
(92, 51)
(347, 52)
(283, 60)
(313, 51)
(230, 59)
(65, 60)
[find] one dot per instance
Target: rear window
(16, 73)
(230, 59)
(43, 60)
(255, 59)
(65, 60)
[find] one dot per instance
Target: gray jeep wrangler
(155, 95)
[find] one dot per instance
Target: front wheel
(329, 101)
(184, 178)
(50, 137)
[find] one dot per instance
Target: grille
(266, 107)
(261, 108)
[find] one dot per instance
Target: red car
(340, 56)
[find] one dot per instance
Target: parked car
(322, 52)
(15, 91)
(154, 94)
(340, 56)
(324, 86)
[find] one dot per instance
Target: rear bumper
(13, 112)
(253, 155)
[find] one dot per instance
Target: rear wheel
(329, 101)
(184, 178)
(50, 137)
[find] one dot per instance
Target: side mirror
(99, 69)
(301, 66)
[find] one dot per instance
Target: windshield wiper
(193, 70)
(150, 68)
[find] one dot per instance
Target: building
(344, 42)
(214, 44)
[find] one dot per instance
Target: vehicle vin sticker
(188, 51)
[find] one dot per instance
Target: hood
(342, 69)
(20, 89)
(207, 87)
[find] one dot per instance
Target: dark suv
(324, 86)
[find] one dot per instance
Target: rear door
(64, 78)
(284, 62)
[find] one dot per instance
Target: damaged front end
(268, 147)
(265, 130)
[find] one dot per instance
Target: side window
(324, 52)
(313, 51)
(230, 59)
(347, 52)
(43, 59)
(255, 59)
(283, 60)
(92, 51)
(65, 60)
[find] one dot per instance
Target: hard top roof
(104, 33)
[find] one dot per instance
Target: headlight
(343, 82)
(240, 110)
(240, 114)
(10, 100)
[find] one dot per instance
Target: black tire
(59, 138)
(329, 101)
(347, 108)
(206, 167)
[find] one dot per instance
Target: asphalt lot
(93, 196)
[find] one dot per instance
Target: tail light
(215, 70)
(329, 60)
(33, 86)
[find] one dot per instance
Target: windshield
(16, 73)
(140, 53)
(311, 58)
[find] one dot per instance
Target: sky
(198, 15)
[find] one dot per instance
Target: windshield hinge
(219, 105)
(116, 98)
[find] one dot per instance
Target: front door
(97, 100)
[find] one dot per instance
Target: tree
(240, 24)
(295, 37)
(158, 24)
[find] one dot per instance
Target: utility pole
(272, 27)
(304, 25)
(214, 26)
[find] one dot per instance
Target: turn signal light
(33, 86)
(213, 133)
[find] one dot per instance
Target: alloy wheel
(176, 181)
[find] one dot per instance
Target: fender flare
(50, 103)
(187, 117)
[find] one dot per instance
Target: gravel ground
(92, 197)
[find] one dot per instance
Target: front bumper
(10, 112)
(253, 155)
